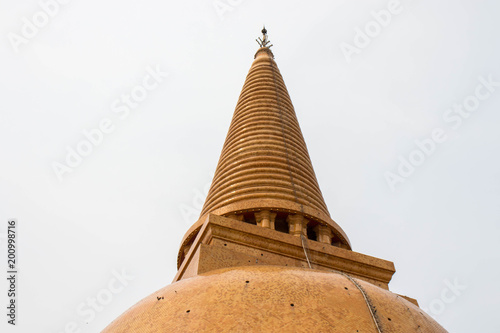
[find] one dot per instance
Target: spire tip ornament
(264, 41)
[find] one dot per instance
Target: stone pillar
(297, 225)
(324, 234)
(186, 249)
(272, 218)
(236, 217)
(337, 244)
(265, 219)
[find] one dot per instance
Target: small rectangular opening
(311, 234)
(249, 218)
(280, 223)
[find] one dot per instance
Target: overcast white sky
(127, 204)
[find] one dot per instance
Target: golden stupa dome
(274, 299)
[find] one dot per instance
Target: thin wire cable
(368, 303)
(305, 246)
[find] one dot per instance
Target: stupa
(265, 255)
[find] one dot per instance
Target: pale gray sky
(362, 102)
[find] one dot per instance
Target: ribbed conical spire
(264, 164)
(264, 155)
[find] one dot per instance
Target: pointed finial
(264, 41)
